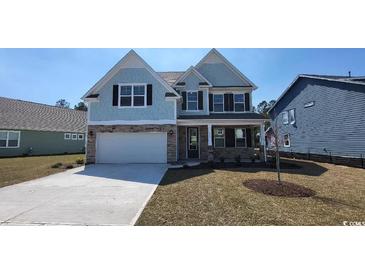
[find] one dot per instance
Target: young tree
(275, 142)
(62, 103)
(81, 106)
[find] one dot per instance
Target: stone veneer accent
(93, 130)
(229, 154)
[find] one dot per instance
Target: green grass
(20, 169)
(218, 197)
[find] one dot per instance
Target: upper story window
(218, 103)
(285, 118)
(132, 95)
(292, 116)
(239, 102)
(289, 117)
(9, 139)
(192, 100)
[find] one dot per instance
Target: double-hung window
(239, 102)
(133, 95)
(240, 135)
(218, 103)
(192, 100)
(219, 137)
(9, 139)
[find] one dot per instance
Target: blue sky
(46, 75)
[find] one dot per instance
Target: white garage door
(146, 147)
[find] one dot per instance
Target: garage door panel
(131, 147)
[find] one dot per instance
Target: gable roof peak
(130, 60)
(214, 56)
(192, 69)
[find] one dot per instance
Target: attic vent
(309, 104)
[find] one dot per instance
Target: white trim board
(132, 122)
(214, 122)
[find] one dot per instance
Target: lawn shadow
(334, 202)
(288, 166)
(178, 175)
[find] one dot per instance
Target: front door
(193, 143)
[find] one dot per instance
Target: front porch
(220, 141)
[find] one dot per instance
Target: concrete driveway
(91, 195)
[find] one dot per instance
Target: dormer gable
(220, 72)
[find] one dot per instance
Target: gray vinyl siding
(335, 124)
(44, 143)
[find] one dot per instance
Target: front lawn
(219, 197)
(20, 169)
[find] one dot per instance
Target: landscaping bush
(56, 165)
(69, 166)
(221, 159)
(80, 161)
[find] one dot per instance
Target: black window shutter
(115, 95)
(149, 95)
(210, 102)
(230, 140)
(226, 102)
(200, 100)
(248, 137)
(247, 102)
(230, 100)
(183, 94)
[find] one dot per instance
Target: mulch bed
(285, 189)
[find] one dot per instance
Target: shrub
(56, 165)
(80, 161)
(69, 166)
(221, 159)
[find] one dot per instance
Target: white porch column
(263, 140)
(210, 135)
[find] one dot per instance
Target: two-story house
(322, 117)
(137, 115)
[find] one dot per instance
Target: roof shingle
(23, 115)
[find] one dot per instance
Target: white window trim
(78, 136)
(223, 137)
(69, 134)
(7, 138)
(132, 95)
(288, 140)
(230, 92)
(72, 136)
(287, 113)
(187, 101)
(235, 139)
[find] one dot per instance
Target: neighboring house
(137, 115)
(322, 115)
(28, 128)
